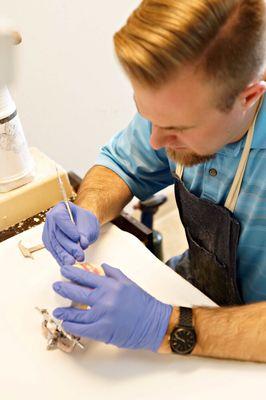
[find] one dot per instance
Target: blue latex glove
(121, 312)
(65, 240)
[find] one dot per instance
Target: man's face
(185, 120)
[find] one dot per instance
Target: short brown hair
(225, 37)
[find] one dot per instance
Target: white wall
(70, 92)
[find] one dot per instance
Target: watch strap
(185, 317)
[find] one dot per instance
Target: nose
(159, 138)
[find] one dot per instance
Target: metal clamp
(57, 337)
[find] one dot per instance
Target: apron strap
(232, 197)
(179, 170)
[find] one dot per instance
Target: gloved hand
(121, 312)
(65, 240)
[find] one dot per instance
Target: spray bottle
(16, 163)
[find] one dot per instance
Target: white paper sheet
(101, 371)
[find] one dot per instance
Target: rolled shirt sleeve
(130, 155)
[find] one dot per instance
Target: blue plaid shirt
(146, 171)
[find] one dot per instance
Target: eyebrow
(169, 128)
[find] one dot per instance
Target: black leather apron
(212, 233)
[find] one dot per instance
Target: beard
(188, 159)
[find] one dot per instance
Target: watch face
(183, 340)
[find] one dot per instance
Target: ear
(16, 36)
(7, 31)
(252, 94)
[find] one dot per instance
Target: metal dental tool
(64, 195)
(65, 198)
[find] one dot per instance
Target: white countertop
(29, 371)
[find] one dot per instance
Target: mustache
(188, 159)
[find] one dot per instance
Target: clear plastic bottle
(16, 163)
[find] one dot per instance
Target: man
(197, 71)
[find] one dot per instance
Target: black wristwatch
(183, 336)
